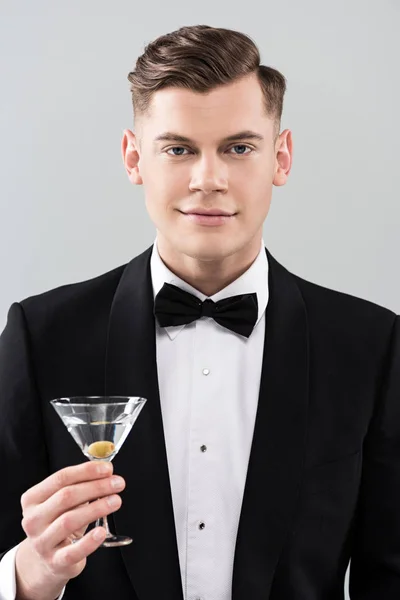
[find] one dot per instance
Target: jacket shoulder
(78, 308)
(329, 298)
(344, 318)
(73, 297)
(325, 301)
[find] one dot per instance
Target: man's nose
(209, 175)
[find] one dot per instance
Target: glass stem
(103, 522)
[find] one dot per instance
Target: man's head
(207, 120)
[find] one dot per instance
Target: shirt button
(202, 525)
(206, 371)
(203, 448)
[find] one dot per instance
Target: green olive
(101, 449)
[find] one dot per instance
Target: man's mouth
(212, 216)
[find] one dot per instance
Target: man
(268, 452)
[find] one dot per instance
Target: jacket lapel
(276, 458)
(146, 514)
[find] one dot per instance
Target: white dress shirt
(209, 381)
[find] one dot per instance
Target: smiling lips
(211, 217)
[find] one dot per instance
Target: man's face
(182, 155)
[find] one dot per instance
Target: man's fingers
(63, 478)
(68, 556)
(81, 532)
(72, 521)
(39, 517)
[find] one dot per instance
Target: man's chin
(209, 250)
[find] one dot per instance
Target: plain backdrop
(67, 209)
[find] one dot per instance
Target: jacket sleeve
(375, 560)
(23, 456)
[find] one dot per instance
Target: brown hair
(201, 58)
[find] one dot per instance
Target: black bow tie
(174, 306)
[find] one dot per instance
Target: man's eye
(241, 149)
(176, 151)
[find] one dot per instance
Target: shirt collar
(255, 279)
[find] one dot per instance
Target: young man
(268, 453)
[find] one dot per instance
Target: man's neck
(208, 276)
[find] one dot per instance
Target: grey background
(67, 210)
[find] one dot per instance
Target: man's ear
(131, 157)
(284, 157)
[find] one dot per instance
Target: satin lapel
(278, 446)
(146, 514)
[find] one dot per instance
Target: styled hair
(200, 58)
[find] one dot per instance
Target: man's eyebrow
(169, 136)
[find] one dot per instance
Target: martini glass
(100, 425)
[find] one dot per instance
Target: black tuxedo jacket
(323, 482)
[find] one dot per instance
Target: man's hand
(56, 512)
